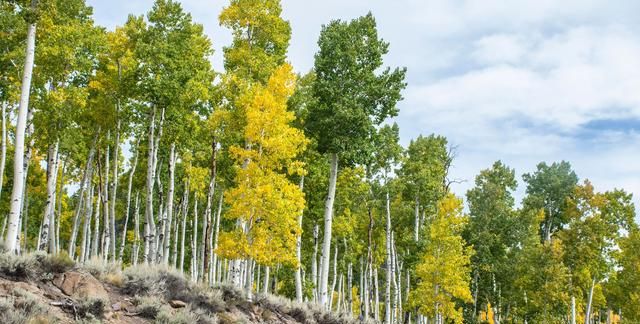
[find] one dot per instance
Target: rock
(80, 285)
(177, 304)
(116, 307)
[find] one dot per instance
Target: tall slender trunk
(176, 237)
(59, 208)
(587, 317)
(52, 168)
(86, 178)
(416, 230)
(95, 246)
(128, 210)
(389, 270)
(349, 285)
(376, 294)
(335, 276)
(573, 310)
(3, 148)
(17, 192)
(114, 190)
(215, 238)
(106, 232)
(150, 226)
(206, 224)
(185, 212)
(26, 164)
(328, 218)
(194, 240)
(299, 253)
(265, 285)
(170, 193)
(314, 263)
(136, 230)
(86, 227)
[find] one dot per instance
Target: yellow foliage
(265, 202)
(444, 269)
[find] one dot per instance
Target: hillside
(38, 288)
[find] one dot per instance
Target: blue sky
(519, 81)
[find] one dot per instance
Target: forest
(125, 145)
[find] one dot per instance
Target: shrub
(97, 267)
(179, 316)
(154, 280)
(210, 299)
(148, 306)
(91, 307)
(229, 291)
(21, 308)
(19, 266)
(57, 263)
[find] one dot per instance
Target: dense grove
(126, 145)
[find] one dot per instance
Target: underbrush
(22, 307)
(33, 266)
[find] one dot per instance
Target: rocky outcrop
(80, 285)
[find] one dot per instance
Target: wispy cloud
(522, 81)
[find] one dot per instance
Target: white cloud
(503, 80)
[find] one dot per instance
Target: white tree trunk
(128, 210)
(185, 212)
(416, 230)
(149, 224)
(95, 246)
(26, 164)
(52, 168)
(85, 182)
(215, 238)
(299, 253)
(314, 263)
(573, 310)
(106, 238)
(335, 276)
(328, 218)
(3, 149)
(170, 192)
(389, 263)
(17, 192)
(194, 240)
(265, 284)
(114, 190)
(136, 230)
(86, 227)
(587, 317)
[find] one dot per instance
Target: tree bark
(136, 230)
(3, 149)
(86, 227)
(17, 192)
(128, 210)
(114, 190)
(587, 317)
(95, 246)
(335, 276)
(185, 212)
(389, 270)
(206, 225)
(86, 178)
(328, 218)
(106, 232)
(299, 253)
(215, 239)
(52, 168)
(170, 193)
(194, 240)
(150, 226)
(314, 263)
